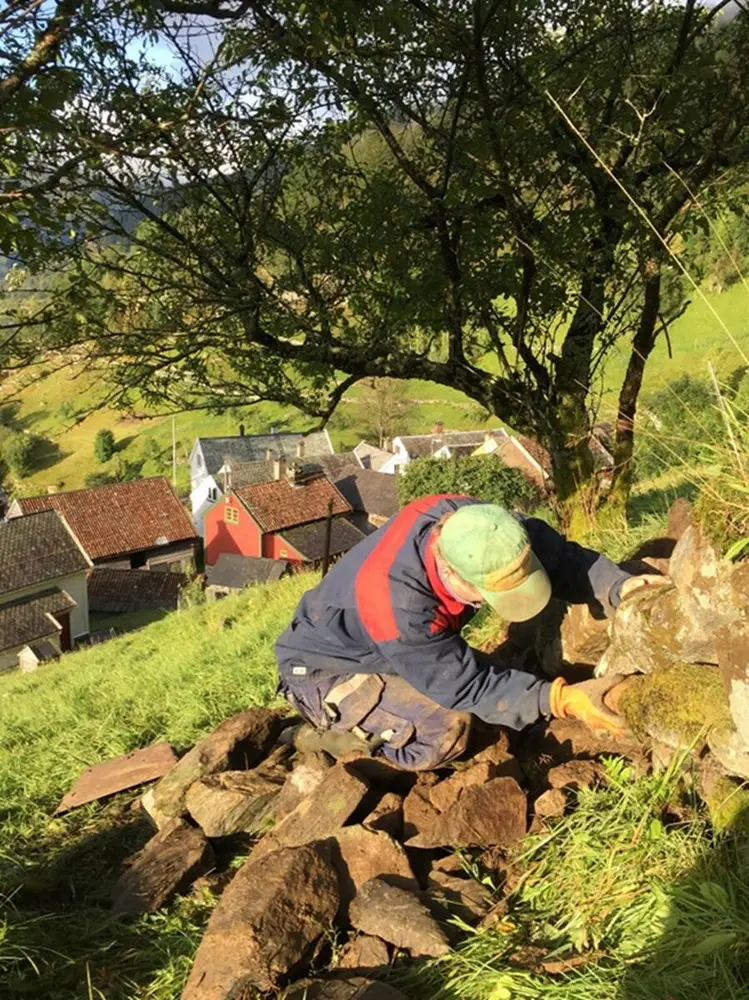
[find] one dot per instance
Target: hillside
(662, 901)
(55, 408)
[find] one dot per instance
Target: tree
(20, 451)
(481, 476)
(319, 209)
(104, 445)
(386, 408)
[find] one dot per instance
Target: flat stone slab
(366, 854)
(494, 814)
(399, 917)
(168, 864)
(266, 924)
(112, 776)
(321, 815)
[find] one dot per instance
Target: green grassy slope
(175, 680)
(44, 408)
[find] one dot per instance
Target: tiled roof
(515, 458)
(235, 571)
(23, 621)
(369, 491)
(252, 447)
(250, 473)
(370, 456)
(121, 518)
(278, 504)
(309, 539)
(132, 589)
(36, 549)
(425, 445)
(536, 451)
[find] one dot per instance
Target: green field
(634, 879)
(44, 407)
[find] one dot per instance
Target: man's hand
(585, 702)
(637, 583)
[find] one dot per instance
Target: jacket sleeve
(578, 575)
(445, 668)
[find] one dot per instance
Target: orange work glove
(585, 702)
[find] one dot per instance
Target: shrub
(483, 477)
(20, 452)
(100, 479)
(104, 445)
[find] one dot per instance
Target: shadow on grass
(657, 501)
(59, 932)
(703, 951)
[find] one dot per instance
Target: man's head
(487, 554)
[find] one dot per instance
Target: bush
(20, 452)
(104, 445)
(100, 479)
(483, 477)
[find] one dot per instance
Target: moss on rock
(728, 803)
(676, 703)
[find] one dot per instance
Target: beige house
(43, 590)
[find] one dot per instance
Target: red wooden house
(281, 519)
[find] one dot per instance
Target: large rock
(584, 635)
(729, 749)
(321, 814)
(240, 742)
(365, 855)
(343, 989)
(733, 660)
(483, 816)
(266, 924)
(444, 795)
(657, 627)
(575, 774)
(168, 863)
(302, 781)
(397, 916)
(232, 801)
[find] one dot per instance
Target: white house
(43, 590)
(443, 444)
(211, 457)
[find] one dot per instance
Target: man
(374, 656)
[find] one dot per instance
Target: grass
(175, 680)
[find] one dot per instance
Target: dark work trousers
(402, 725)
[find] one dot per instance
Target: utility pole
(328, 532)
(174, 451)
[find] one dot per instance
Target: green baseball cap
(489, 548)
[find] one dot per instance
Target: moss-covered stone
(728, 803)
(676, 704)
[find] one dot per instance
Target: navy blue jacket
(384, 609)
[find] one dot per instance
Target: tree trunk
(642, 347)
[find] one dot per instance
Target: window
(231, 515)
(212, 494)
(283, 553)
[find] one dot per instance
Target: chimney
(291, 473)
(241, 430)
(273, 428)
(300, 448)
(279, 467)
(438, 427)
(268, 454)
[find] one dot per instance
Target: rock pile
(361, 854)
(354, 850)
